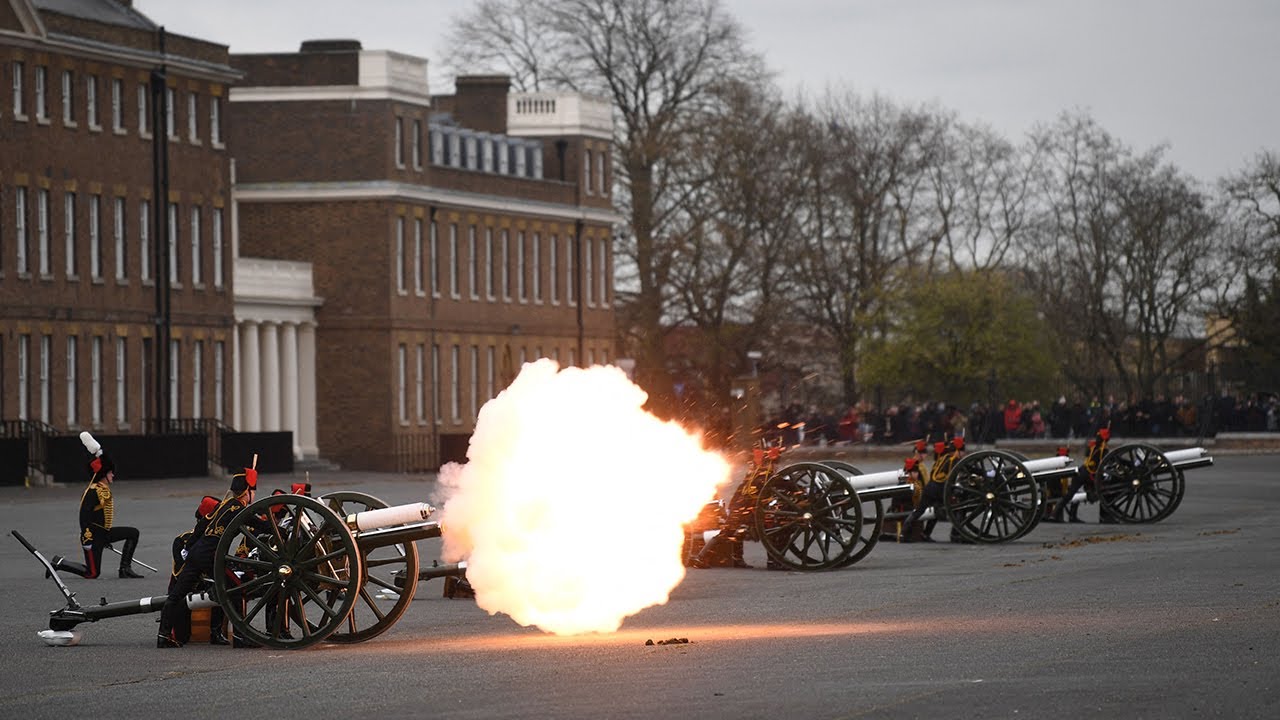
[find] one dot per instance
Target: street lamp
(754, 356)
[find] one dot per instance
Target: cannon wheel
(991, 497)
(298, 580)
(872, 516)
(1138, 484)
(808, 517)
(367, 619)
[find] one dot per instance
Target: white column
(289, 382)
(235, 381)
(306, 437)
(250, 378)
(270, 337)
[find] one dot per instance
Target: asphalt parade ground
(1172, 620)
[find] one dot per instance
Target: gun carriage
(316, 576)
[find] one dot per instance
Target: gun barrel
(390, 517)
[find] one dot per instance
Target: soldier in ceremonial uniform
(945, 455)
(1086, 475)
(97, 512)
(174, 618)
(181, 549)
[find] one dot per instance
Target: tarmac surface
(1172, 620)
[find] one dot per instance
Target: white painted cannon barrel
(390, 517)
(1048, 465)
(1190, 458)
(871, 481)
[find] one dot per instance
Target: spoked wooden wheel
(381, 603)
(991, 497)
(808, 517)
(1138, 484)
(872, 516)
(287, 572)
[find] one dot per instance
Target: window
(193, 123)
(19, 94)
(474, 378)
(535, 161)
(122, 370)
(95, 237)
(24, 379)
(553, 276)
(95, 381)
(144, 376)
(472, 159)
(175, 365)
(217, 247)
(143, 110)
(197, 379)
(420, 388)
(196, 276)
(492, 372)
(400, 255)
(42, 106)
(517, 149)
(473, 264)
(20, 236)
(415, 142)
(219, 348)
(144, 240)
(536, 257)
(68, 100)
(91, 101)
(117, 105)
(455, 149)
(173, 243)
(69, 225)
(500, 147)
(486, 155)
(588, 276)
(42, 230)
(399, 142)
(455, 389)
(404, 407)
(215, 121)
(434, 255)
(521, 290)
(435, 383)
(437, 147)
(600, 173)
(417, 256)
(453, 261)
(71, 381)
(122, 265)
(505, 275)
(602, 272)
(46, 397)
(170, 122)
(490, 267)
(586, 170)
(570, 286)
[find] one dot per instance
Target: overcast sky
(1199, 75)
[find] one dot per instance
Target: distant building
(83, 232)
(450, 239)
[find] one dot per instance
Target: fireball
(570, 509)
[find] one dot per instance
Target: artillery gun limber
(318, 575)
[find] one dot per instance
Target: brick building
(81, 227)
(451, 238)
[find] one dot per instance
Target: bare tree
(503, 36)
(1255, 191)
(983, 191)
(868, 220)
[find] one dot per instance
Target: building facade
(84, 233)
(452, 238)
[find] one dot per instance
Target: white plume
(93, 446)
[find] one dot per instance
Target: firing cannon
(316, 576)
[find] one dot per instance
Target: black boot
(167, 640)
(216, 637)
(126, 558)
(127, 572)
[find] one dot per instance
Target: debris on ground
(1094, 539)
(671, 641)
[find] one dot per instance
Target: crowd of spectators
(1179, 416)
